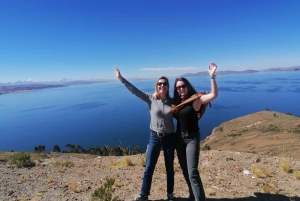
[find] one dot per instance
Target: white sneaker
(140, 197)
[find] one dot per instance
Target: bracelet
(212, 77)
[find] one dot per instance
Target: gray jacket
(160, 111)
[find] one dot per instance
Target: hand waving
(117, 72)
(212, 69)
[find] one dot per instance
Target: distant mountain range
(24, 86)
(229, 72)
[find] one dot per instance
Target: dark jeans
(168, 143)
(188, 150)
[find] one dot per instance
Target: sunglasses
(162, 83)
(181, 87)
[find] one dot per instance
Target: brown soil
(222, 173)
(264, 132)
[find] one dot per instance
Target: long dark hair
(190, 88)
(167, 80)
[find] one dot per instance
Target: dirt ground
(226, 175)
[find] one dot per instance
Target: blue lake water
(108, 114)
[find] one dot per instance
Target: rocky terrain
(226, 176)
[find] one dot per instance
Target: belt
(162, 134)
(186, 134)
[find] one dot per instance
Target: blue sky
(47, 40)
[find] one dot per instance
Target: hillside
(264, 132)
(252, 158)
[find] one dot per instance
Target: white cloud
(169, 68)
(29, 79)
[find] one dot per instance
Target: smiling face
(182, 89)
(162, 87)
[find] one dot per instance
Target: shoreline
(9, 89)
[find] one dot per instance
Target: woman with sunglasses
(161, 133)
(187, 131)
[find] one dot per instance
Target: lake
(108, 114)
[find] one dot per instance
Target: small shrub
(269, 188)
(56, 164)
(296, 174)
(206, 147)
(176, 169)
(25, 178)
(105, 192)
(285, 165)
(66, 164)
(234, 134)
(38, 160)
(257, 172)
(74, 186)
(128, 161)
(112, 162)
(117, 184)
(267, 173)
(209, 191)
(22, 159)
(158, 187)
(143, 162)
(49, 179)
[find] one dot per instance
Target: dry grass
(112, 162)
(176, 168)
(267, 173)
(25, 178)
(265, 133)
(209, 191)
(143, 162)
(74, 186)
(127, 161)
(257, 172)
(158, 187)
(82, 165)
(37, 160)
(270, 188)
(66, 164)
(285, 164)
(117, 183)
(296, 174)
(49, 179)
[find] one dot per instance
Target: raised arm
(118, 74)
(131, 87)
(214, 89)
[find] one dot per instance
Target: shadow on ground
(259, 197)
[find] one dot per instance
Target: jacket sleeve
(134, 90)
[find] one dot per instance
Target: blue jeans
(188, 152)
(168, 144)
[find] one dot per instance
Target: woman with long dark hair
(187, 131)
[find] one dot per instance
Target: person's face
(181, 88)
(162, 86)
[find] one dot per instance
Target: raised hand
(117, 72)
(212, 69)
